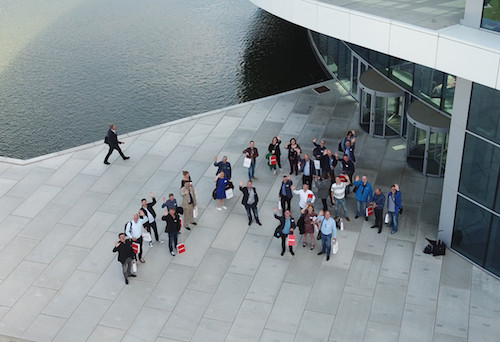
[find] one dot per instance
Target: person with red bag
(125, 255)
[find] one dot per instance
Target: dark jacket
(325, 163)
(245, 192)
(275, 148)
(348, 167)
(282, 221)
(125, 251)
(323, 188)
(318, 150)
(173, 223)
(112, 139)
(226, 167)
(248, 151)
(288, 189)
(312, 169)
(150, 207)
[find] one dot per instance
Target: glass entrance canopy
(381, 111)
(427, 139)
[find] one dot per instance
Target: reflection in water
(139, 64)
(277, 57)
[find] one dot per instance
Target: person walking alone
(114, 144)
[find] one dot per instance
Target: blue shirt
(170, 204)
(379, 200)
(287, 226)
(307, 168)
(328, 226)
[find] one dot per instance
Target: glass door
(358, 66)
(416, 142)
(365, 110)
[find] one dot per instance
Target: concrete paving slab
(370, 242)
(276, 336)
(99, 258)
(102, 333)
(25, 311)
(93, 229)
(197, 244)
(38, 227)
(486, 329)
(397, 259)
(423, 285)
(177, 158)
(37, 201)
(6, 185)
(66, 172)
(293, 125)
(15, 285)
(31, 181)
(347, 245)
(268, 280)
(55, 240)
(285, 316)
(327, 290)
(239, 111)
(485, 294)
(78, 186)
(185, 318)
(164, 146)
(418, 323)
(249, 322)
(452, 317)
(170, 287)
(14, 253)
(351, 319)
(44, 328)
(11, 226)
(377, 332)
(148, 323)
(304, 267)
(228, 298)
(363, 274)
(56, 274)
(231, 233)
(83, 209)
(211, 330)
(69, 297)
(456, 272)
(84, 320)
(211, 270)
(249, 256)
(314, 326)
(388, 301)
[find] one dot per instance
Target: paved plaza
(60, 215)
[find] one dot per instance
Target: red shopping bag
(181, 248)
(291, 240)
(369, 211)
(272, 160)
(136, 247)
(342, 178)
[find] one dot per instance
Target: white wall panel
(305, 13)
(413, 44)
(370, 32)
(467, 61)
(281, 8)
(334, 22)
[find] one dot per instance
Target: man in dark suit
(285, 194)
(287, 225)
(125, 255)
(114, 144)
(151, 214)
(308, 169)
(172, 228)
(250, 200)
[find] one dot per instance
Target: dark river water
(142, 63)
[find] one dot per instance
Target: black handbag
(301, 225)
(278, 232)
(214, 194)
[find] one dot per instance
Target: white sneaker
(274, 171)
(219, 208)
(161, 241)
(172, 253)
(150, 244)
(224, 207)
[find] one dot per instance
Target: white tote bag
(279, 204)
(133, 269)
(195, 212)
(335, 246)
(229, 193)
(341, 224)
(387, 218)
(146, 236)
(247, 162)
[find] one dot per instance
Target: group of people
(317, 168)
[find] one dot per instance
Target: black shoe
(282, 253)
(336, 217)
(380, 231)
(106, 162)
(292, 252)
(321, 253)
(327, 257)
(356, 216)
(348, 219)
(126, 281)
(373, 226)
(250, 222)
(366, 218)
(258, 222)
(194, 223)
(133, 275)
(125, 158)
(188, 228)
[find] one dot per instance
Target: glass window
(332, 55)
(480, 171)
(491, 15)
(379, 61)
(484, 112)
(428, 84)
(493, 255)
(449, 93)
(344, 65)
(472, 226)
(402, 72)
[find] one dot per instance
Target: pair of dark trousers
(293, 166)
(126, 267)
(252, 207)
(307, 180)
(285, 203)
(139, 241)
(283, 243)
(111, 151)
(172, 241)
(379, 214)
(325, 205)
(150, 225)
